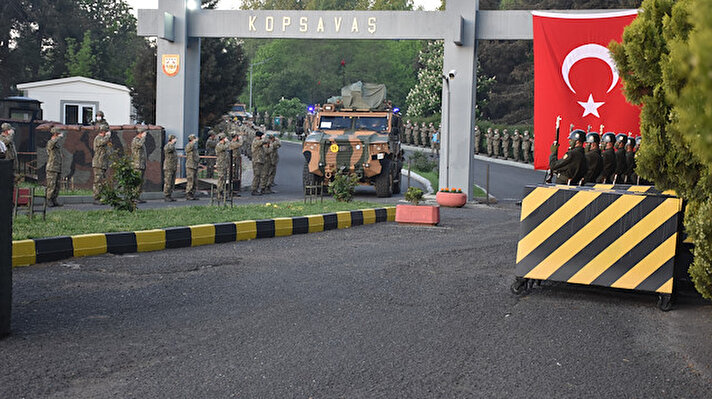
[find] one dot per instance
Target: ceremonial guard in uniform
(621, 164)
(138, 155)
(170, 163)
(516, 145)
(608, 156)
(100, 161)
(631, 177)
(572, 167)
(594, 161)
(54, 166)
(222, 164)
(192, 159)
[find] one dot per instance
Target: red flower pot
(452, 200)
(418, 214)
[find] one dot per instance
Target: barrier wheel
(665, 302)
(519, 286)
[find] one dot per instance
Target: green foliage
(223, 69)
(80, 61)
(666, 66)
(289, 108)
(143, 90)
(414, 195)
(420, 162)
(121, 191)
(343, 186)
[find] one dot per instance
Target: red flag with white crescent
(576, 77)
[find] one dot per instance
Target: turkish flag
(576, 77)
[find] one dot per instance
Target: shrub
(420, 162)
(414, 195)
(121, 191)
(343, 186)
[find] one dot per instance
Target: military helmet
(141, 128)
(609, 137)
(593, 137)
(259, 133)
(54, 130)
(100, 113)
(192, 137)
(171, 137)
(526, 133)
(621, 138)
(221, 136)
(578, 135)
(5, 127)
(638, 140)
(631, 141)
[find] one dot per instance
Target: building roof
(73, 79)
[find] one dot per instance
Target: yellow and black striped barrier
(28, 252)
(602, 236)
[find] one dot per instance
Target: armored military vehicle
(358, 133)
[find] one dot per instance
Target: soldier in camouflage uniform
(526, 147)
(170, 163)
(138, 156)
(416, 134)
(192, 159)
(497, 143)
(100, 161)
(490, 142)
(8, 138)
(210, 144)
(258, 163)
(505, 143)
(274, 145)
(54, 166)
(100, 120)
(222, 164)
(516, 145)
(236, 164)
(424, 135)
(408, 132)
(478, 137)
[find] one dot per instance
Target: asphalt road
(382, 311)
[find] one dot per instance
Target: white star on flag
(590, 106)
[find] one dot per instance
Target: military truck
(358, 133)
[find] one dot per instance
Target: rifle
(549, 174)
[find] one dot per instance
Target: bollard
(6, 186)
(487, 186)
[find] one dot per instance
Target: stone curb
(39, 250)
(479, 157)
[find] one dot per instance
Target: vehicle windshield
(335, 123)
(377, 124)
(238, 108)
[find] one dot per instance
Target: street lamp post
(450, 75)
(251, 66)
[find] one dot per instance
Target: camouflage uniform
(222, 164)
(54, 166)
(210, 144)
(101, 121)
(478, 137)
(516, 145)
(100, 161)
(170, 163)
(424, 135)
(497, 143)
(258, 162)
(526, 147)
(192, 159)
(490, 144)
(138, 155)
(505, 143)
(8, 138)
(416, 134)
(273, 161)
(236, 164)
(408, 133)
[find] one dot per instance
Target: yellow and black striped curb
(620, 239)
(28, 252)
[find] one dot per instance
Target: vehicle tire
(384, 182)
(309, 179)
(397, 182)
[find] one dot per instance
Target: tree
(664, 61)
(289, 108)
(222, 77)
(80, 61)
(143, 85)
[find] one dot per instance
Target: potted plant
(417, 214)
(451, 197)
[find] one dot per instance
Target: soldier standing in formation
(608, 157)
(621, 165)
(258, 162)
(424, 135)
(8, 138)
(170, 163)
(572, 167)
(478, 137)
(210, 144)
(416, 134)
(100, 161)
(516, 145)
(54, 166)
(490, 142)
(100, 120)
(236, 163)
(526, 146)
(594, 160)
(631, 177)
(273, 155)
(138, 155)
(497, 139)
(192, 159)
(505, 143)
(222, 164)
(408, 132)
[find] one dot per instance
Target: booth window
(78, 114)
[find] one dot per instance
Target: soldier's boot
(169, 199)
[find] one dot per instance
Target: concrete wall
(77, 152)
(115, 102)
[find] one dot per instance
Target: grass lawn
(40, 190)
(71, 222)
